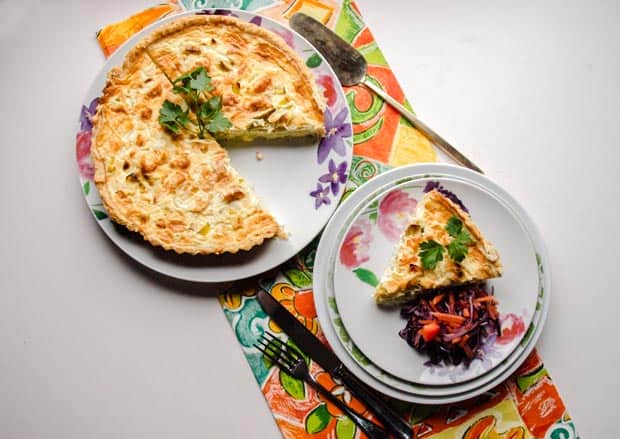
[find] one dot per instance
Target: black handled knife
(312, 346)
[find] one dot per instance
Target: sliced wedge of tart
(440, 247)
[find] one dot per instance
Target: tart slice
(440, 247)
(266, 89)
(179, 192)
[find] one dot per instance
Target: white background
(92, 345)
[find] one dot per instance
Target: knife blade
(322, 355)
(351, 68)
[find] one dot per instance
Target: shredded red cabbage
(467, 317)
(448, 194)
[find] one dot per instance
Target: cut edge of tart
(432, 254)
(179, 192)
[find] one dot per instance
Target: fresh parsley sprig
(457, 248)
(431, 252)
(195, 87)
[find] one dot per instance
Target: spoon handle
(451, 151)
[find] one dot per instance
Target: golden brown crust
(178, 192)
(267, 90)
(406, 276)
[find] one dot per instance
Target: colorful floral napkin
(525, 406)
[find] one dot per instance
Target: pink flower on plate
(512, 327)
(82, 152)
(354, 249)
(395, 209)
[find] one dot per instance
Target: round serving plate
(302, 206)
(332, 323)
(368, 243)
(384, 376)
(372, 369)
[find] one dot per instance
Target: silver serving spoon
(351, 67)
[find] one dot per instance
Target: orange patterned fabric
(112, 36)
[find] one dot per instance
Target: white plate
(284, 179)
(372, 369)
(375, 329)
(358, 356)
(346, 351)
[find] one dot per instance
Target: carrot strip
(448, 318)
(486, 299)
(464, 340)
(437, 299)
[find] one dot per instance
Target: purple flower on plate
(257, 20)
(320, 195)
(83, 140)
(448, 194)
(216, 12)
(336, 130)
(86, 115)
(335, 175)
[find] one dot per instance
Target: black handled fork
(291, 362)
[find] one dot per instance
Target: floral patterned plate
(367, 248)
(299, 181)
(332, 323)
(385, 377)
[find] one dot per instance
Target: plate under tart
(348, 352)
(375, 371)
(375, 329)
(295, 161)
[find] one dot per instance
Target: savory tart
(440, 247)
(266, 89)
(178, 191)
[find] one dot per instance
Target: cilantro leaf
(181, 84)
(218, 123)
(200, 80)
(207, 108)
(172, 116)
(431, 252)
(454, 226)
(457, 249)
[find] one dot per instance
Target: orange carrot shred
(448, 318)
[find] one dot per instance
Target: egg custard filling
(178, 189)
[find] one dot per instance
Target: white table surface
(94, 346)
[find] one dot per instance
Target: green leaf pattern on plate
(366, 276)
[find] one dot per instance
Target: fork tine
(291, 352)
(267, 353)
(275, 354)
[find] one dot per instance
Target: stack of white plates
(358, 244)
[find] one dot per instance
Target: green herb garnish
(457, 249)
(431, 252)
(454, 226)
(195, 87)
(172, 117)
